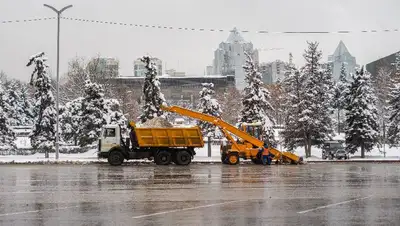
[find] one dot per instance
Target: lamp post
(58, 69)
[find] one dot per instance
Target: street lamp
(58, 68)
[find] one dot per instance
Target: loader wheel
(183, 158)
(233, 158)
(115, 158)
(163, 158)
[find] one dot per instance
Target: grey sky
(191, 51)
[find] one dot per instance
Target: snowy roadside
(201, 157)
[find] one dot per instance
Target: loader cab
(253, 129)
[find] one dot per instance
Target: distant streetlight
(58, 69)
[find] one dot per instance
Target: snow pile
(157, 122)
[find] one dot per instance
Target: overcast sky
(185, 50)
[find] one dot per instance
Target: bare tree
(128, 99)
(79, 69)
(276, 92)
(230, 104)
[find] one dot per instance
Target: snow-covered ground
(201, 156)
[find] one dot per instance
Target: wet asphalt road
(313, 194)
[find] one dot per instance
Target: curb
(355, 161)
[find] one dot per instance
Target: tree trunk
(307, 147)
(362, 151)
(338, 121)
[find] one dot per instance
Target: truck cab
(109, 139)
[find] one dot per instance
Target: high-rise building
(339, 57)
(107, 67)
(272, 71)
(230, 57)
(139, 69)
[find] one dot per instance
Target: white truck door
(111, 137)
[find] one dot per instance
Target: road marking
(186, 209)
(334, 204)
(36, 211)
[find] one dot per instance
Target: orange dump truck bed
(169, 137)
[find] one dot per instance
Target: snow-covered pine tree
(210, 106)
(43, 135)
(153, 98)
(255, 100)
(315, 116)
(114, 114)
(70, 121)
(341, 91)
(7, 136)
(20, 108)
(393, 133)
(396, 66)
(362, 128)
(293, 133)
(27, 105)
(93, 113)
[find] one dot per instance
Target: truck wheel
(183, 158)
(115, 158)
(163, 158)
(233, 158)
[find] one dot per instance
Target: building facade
(139, 69)
(339, 57)
(176, 89)
(384, 62)
(272, 72)
(230, 57)
(107, 67)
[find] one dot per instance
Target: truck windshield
(109, 132)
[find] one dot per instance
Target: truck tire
(183, 158)
(115, 158)
(163, 158)
(233, 158)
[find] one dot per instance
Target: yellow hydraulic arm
(232, 129)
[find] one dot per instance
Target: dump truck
(163, 145)
(247, 145)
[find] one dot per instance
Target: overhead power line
(223, 30)
(26, 20)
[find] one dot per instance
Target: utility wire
(196, 29)
(224, 30)
(26, 20)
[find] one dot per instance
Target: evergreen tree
(43, 135)
(115, 115)
(293, 133)
(153, 98)
(396, 65)
(210, 106)
(20, 108)
(70, 120)
(393, 134)
(316, 102)
(341, 91)
(7, 136)
(256, 106)
(362, 128)
(93, 113)
(27, 106)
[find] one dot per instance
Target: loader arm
(216, 121)
(232, 129)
